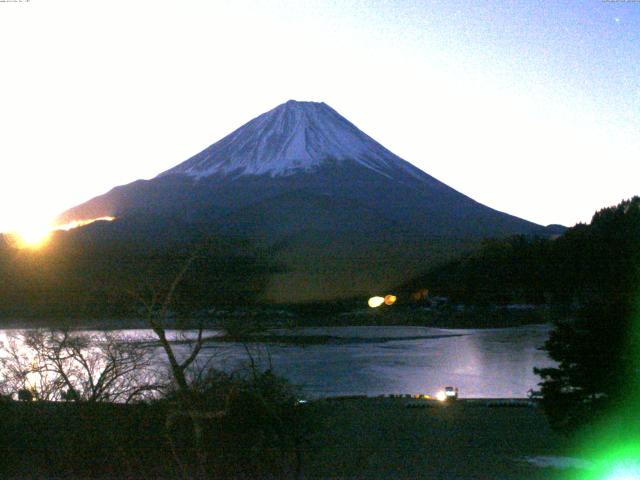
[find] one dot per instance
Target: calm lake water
(487, 363)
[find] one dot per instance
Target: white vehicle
(451, 393)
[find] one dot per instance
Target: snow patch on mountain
(295, 136)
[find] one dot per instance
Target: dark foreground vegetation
(368, 438)
(247, 429)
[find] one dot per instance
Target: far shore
(263, 318)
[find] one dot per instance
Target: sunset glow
(81, 223)
(36, 235)
(31, 236)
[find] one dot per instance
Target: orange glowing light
(390, 299)
(81, 223)
(32, 237)
(29, 235)
(36, 235)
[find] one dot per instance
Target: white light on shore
(375, 302)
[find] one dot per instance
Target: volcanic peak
(294, 136)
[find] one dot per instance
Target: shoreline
(263, 318)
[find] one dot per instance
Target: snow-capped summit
(292, 137)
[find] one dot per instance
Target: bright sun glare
(33, 236)
(36, 235)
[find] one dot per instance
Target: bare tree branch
(59, 365)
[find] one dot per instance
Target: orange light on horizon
(81, 223)
(36, 235)
(30, 236)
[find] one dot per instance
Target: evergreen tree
(597, 350)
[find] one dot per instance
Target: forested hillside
(595, 259)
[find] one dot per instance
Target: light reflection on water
(491, 363)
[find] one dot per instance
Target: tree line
(587, 260)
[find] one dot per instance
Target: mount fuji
(342, 214)
(294, 137)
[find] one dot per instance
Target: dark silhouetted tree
(597, 348)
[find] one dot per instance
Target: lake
(482, 363)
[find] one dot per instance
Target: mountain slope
(335, 206)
